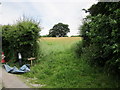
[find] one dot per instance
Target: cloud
(49, 12)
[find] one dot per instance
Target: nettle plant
(21, 37)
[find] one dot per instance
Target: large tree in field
(59, 30)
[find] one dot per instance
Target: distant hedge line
(20, 37)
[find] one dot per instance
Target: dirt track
(12, 81)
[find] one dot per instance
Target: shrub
(21, 37)
(100, 32)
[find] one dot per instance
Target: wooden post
(32, 58)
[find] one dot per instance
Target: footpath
(10, 80)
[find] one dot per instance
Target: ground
(11, 80)
(0, 77)
(58, 67)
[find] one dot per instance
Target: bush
(100, 32)
(21, 37)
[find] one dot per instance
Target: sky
(48, 12)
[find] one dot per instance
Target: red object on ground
(3, 60)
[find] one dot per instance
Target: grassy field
(58, 67)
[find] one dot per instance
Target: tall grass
(58, 67)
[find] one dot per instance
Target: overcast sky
(49, 12)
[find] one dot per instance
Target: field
(58, 67)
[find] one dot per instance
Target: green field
(58, 67)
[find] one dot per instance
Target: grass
(58, 67)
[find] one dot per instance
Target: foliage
(20, 37)
(59, 30)
(78, 48)
(58, 67)
(44, 36)
(101, 34)
(0, 39)
(75, 36)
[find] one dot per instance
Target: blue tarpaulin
(25, 68)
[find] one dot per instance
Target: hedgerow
(21, 37)
(101, 34)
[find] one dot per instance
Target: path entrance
(12, 81)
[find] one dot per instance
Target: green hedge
(20, 37)
(101, 36)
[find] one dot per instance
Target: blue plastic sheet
(15, 70)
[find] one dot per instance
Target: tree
(59, 30)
